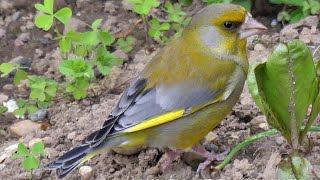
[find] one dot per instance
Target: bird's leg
(200, 150)
(171, 156)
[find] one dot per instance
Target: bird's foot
(210, 157)
(171, 156)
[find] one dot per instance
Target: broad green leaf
(294, 167)
(70, 88)
(20, 75)
(186, 2)
(38, 148)
(287, 86)
(51, 90)
(47, 7)
(318, 73)
(284, 170)
(302, 168)
(32, 109)
(74, 36)
(136, 1)
(6, 68)
(44, 22)
(165, 26)
(22, 150)
(82, 83)
(244, 3)
(31, 163)
(21, 102)
(79, 94)
(95, 25)
(253, 86)
(105, 70)
(90, 38)
(314, 6)
(20, 111)
(76, 68)
(3, 109)
(106, 38)
(63, 15)
(296, 15)
(80, 50)
(65, 45)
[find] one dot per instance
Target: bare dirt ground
(72, 121)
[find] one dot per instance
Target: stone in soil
(24, 127)
(39, 116)
(3, 98)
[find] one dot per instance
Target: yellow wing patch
(156, 121)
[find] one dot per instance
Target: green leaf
(44, 22)
(51, 90)
(70, 88)
(20, 75)
(21, 102)
(47, 7)
(32, 109)
(314, 7)
(6, 68)
(79, 94)
(76, 68)
(63, 15)
(105, 70)
(295, 167)
(38, 148)
(287, 86)
(90, 38)
(95, 25)
(3, 109)
(165, 26)
(244, 3)
(23, 150)
(106, 38)
(296, 15)
(31, 163)
(20, 111)
(185, 2)
(65, 45)
(80, 50)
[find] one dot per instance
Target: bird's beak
(250, 27)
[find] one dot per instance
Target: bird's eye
(228, 24)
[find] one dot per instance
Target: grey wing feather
(137, 105)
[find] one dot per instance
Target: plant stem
(146, 28)
(243, 144)
(31, 175)
(312, 117)
(252, 139)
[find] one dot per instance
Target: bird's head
(223, 27)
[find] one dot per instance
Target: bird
(182, 94)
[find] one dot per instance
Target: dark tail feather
(69, 161)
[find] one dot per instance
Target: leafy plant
(284, 88)
(45, 21)
(157, 29)
(126, 44)
(143, 7)
(30, 157)
(178, 17)
(302, 9)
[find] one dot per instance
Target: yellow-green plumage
(181, 95)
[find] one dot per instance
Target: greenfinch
(183, 93)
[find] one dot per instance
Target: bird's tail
(71, 160)
(78, 155)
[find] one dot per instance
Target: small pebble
(85, 172)
(71, 136)
(39, 116)
(3, 98)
